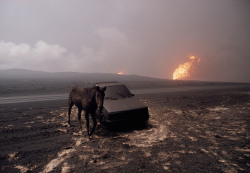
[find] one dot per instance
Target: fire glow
(183, 71)
(120, 73)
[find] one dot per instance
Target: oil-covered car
(121, 106)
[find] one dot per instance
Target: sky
(142, 37)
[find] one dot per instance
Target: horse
(89, 100)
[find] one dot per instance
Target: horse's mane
(90, 88)
(90, 91)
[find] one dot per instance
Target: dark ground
(194, 131)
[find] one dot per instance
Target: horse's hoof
(90, 138)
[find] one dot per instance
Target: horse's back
(83, 98)
(76, 95)
(77, 90)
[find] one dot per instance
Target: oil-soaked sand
(192, 131)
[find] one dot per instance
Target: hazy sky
(143, 37)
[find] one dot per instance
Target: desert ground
(188, 131)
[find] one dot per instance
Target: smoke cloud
(144, 37)
(41, 56)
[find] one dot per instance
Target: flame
(183, 71)
(120, 73)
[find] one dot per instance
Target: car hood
(124, 104)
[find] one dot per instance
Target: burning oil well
(184, 70)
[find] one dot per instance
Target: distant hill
(21, 73)
(87, 77)
(27, 82)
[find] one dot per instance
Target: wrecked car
(121, 106)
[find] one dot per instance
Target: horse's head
(100, 94)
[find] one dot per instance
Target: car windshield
(116, 92)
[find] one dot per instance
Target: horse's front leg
(87, 121)
(95, 123)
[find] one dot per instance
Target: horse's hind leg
(70, 104)
(87, 121)
(95, 123)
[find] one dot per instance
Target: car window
(116, 92)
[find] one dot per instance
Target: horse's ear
(97, 88)
(104, 89)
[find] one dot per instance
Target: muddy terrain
(188, 131)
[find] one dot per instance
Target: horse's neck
(91, 94)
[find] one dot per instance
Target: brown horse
(89, 100)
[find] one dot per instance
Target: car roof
(103, 84)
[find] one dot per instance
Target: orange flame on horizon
(120, 73)
(183, 71)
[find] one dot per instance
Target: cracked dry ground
(198, 131)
